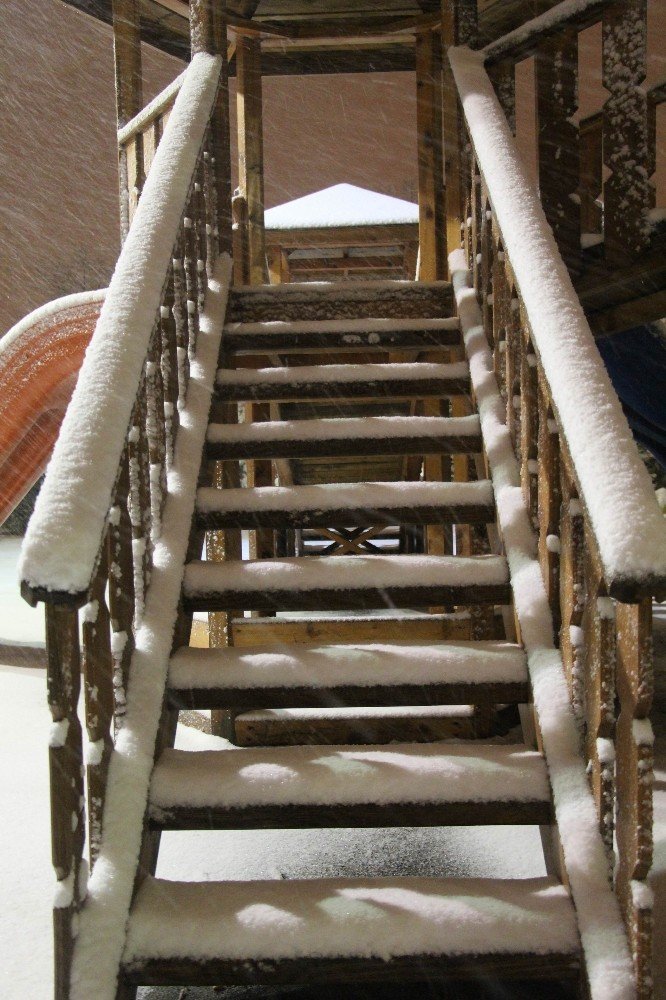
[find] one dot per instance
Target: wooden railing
(98, 517)
(571, 155)
(601, 536)
(137, 144)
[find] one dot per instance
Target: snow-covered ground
(27, 880)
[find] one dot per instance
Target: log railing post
(432, 239)
(127, 58)
(251, 151)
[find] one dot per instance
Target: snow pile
(63, 538)
(341, 205)
(110, 890)
(608, 962)
(326, 374)
(614, 483)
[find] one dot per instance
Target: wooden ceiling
(300, 37)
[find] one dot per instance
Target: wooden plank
(432, 243)
(379, 695)
(251, 150)
(343, 390)
(350, 600)
(424, 628)
(425, 445)
(366, 815)
(360, 517)
(316, 341)
(444, 970)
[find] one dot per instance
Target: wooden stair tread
(335, 300)
(346, 582)
(344, 436)
(350, 335)
(320, 786)
(359, 504)
(367, 674)
(313, 930)
(397, 380)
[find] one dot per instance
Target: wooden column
(208, 33)
(458, 28)
(432, 240)
(129, 99)
(251, 151)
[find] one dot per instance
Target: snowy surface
(341, 205)
(311, 374)
(560, 12)
(344, 573)
(342, 429)
(340, 775)
(34, 323)
(158, 104)
(334, 496)
(608, 962)
(351, 326)
(614, 484)
(361, 664)
(19, 623)
(110, 888)
(65, 532)
(362, 918)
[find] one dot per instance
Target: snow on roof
(341, 205)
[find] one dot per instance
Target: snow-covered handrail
(627, 527)
(519, 43)
(153, 110)
(62, 544)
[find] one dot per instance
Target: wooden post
(208, 33)
(251, 150)
(129, 97)
(557, 102)
(432, 241)
(458, 28)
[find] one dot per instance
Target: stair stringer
(103, 918)
(606, 954)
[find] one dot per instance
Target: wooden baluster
(634, 775)
(240, 237)
(209, 192)
(599, 681)
(202, 244)
(139, 494)
(477, 228)
(591, 174)
(503, 76)
(529, 466)
(155, 432)
(99, 700)
(487, 264)
(572, 589)
(627, 193)
(549, 501)
(191, 283)
(135, 173)
(121, 587)
(63, 677)
(557, 102)
(169, 365)
(181, 321)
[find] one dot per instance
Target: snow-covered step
(350, 335)
(346, 583)
(338, 930)
(338, 300)
(358, 504)
(415, 380)
(345, 436)
(363, 674)
(402, 784)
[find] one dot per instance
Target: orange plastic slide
(40, 359)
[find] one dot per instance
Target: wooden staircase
(353, 929)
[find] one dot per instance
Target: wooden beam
(429, 138)
(251, 151)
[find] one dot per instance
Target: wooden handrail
(153, 110)
(95, 429)
(586, 406)
(523, 41)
